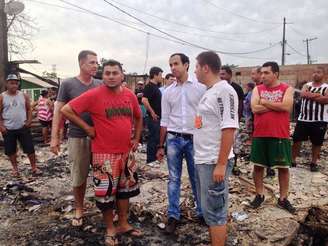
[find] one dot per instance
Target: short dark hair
(44, 93)
(84, 53)
(184, 59)
(274, 66)
(167, 76)
(154, 71)
(211, 59)
(113, 63)
(227, 69)
(258, 69)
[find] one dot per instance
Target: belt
(183, 135)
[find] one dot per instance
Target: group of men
(195, 120)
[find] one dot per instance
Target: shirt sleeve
(165, 109)
(83, 103)
(62, 93)
(148, 92)
(228, 108)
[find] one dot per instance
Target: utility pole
(283, 44)
(3, 45)
(309, 61)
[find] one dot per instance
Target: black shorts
(45, 123)
(23, 136)
(315, 131)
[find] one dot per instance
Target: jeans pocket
(216, 196)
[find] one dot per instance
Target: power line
(87, 11)
(291, 47)
(179, 39)
(241, 16)
(190, 26)
(167, 29)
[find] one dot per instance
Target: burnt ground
(37, 210)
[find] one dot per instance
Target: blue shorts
(213, 196)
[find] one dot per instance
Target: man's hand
(154, 116)
(219, 173)
(28, 123)
(3, 130)
(309, 95)
(134, 145)
(91, 132)
(160, 154)
(55, 145)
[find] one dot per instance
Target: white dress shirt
(179, 104)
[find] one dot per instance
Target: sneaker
(294, 164)
(314, 167)
(285, 204)
(171, 225)
(257, 202)
(270, 172)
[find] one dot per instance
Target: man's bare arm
(55, 142)
(145, 102)
(255, 103)
(28, 111)
(285, 105)
(2, 126)
(69, 113)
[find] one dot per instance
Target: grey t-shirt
(68, 90)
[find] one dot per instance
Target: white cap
(12, 77)
(140, 82)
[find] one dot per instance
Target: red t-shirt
(112, 115)
(273, 124)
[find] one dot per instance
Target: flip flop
(77, 221)
(132, 232)
(111, 240)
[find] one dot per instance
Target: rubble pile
(38, 210)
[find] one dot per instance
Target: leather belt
(183, 135)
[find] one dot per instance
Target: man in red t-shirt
(115, 111)
(271, 104)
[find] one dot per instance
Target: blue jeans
(177, 149)
(153, 138)
(213, 196)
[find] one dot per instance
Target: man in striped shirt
(313, 117)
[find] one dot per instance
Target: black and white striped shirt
(312, 111)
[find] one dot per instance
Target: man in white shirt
(179, 103)
(216, 122)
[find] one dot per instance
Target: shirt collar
(189, 80)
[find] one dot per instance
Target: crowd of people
(195, 120)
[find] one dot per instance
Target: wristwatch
(160, 146)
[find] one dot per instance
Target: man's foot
(314, 167)
(171, 225)
(77, 221)
(130, 231)
(111, 240)
(36, 172)
(294, 164)
(285, 204)
(235, 170)
(270, 172)
(257, 202)
(15, 174)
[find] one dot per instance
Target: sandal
(77, 221)
(132, 232)
(111, 240)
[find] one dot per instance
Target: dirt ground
(37, 210)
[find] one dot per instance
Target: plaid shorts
(114, 177)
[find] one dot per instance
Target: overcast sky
(224, 26)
